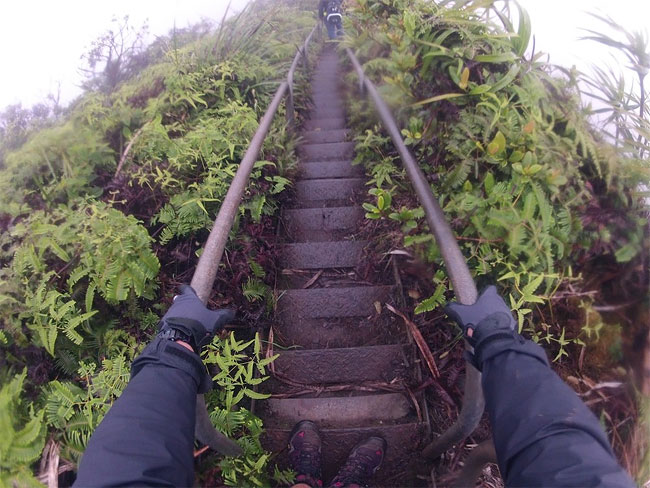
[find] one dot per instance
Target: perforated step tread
(345, 365)
(328, 189)
(328, 169)
(320, 224)
(326, 151)
(317, 255)
(325, 136)
(324, 123)
(335, 333)
(355, 301)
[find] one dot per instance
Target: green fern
(254, 289)
(75, 411)
(23, 434)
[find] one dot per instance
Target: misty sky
(41, 41)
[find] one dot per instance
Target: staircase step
(328, 189)
(327, 112)
(293, 279)
(327, 151)
(345, 365)
(325, 123)
(317, 255)
(315, 303)
(314, 235)
(321, 224)
(403, 443)
(338, 411)
(336, 332)
(327, 97)
(329, 169)
(321, 136)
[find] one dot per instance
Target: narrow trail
(344, 362)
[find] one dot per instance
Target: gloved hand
(193, 319)
(485, 323)
(190, 321)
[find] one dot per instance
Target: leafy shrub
(506, 145)
(97, 247)
(55, 167)
(76, 411)
(23, 435)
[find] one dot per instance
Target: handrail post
(457, 269)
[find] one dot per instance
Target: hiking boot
(304, 453)
(362, 463)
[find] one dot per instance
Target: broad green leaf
(497, 145)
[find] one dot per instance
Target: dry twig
(419, 340)
(127, 150)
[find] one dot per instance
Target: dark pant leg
(331, 29)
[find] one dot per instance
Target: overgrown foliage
(103, 212)
(507, 146)
(542, 202)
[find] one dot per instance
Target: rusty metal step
(336, 151)
(356, 301)
(403, 443)
(325, 136)
(337, 411)
(317, 255)
(325, 123)
(342, 365)
(329, 169)
(328, 189)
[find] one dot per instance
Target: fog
(41, 41)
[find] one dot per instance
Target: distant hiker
(544, 435)
(330, 12)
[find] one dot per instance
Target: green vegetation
(104, 205)
(542, 202)
(103, 210)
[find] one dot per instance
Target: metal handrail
(459, 274)
(206, 269)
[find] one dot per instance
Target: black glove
(491, 322)
(195, 322)
(188, 320)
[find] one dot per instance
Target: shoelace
(307, 460)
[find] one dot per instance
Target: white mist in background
(42, 41)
